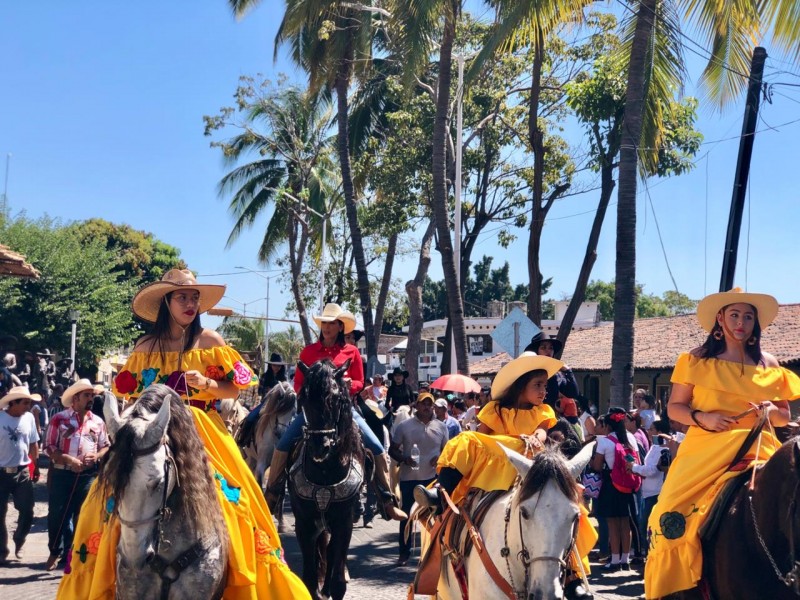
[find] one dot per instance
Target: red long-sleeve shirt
(338, 354)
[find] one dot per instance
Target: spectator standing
(18, 449)
(564, 381)
(586, 419)
(376, 390)
(399, 392)
(7, 381)
(647, 411)
(430, 436)
(76, 441)
(453, 426)
(54, 402)
(469, 421)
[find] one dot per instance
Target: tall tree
(654, 63)
(287, 130)
(332, 41)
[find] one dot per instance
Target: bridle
(524, 556)
(792, 577)
(169, 572)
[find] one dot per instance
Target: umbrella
(455, 382)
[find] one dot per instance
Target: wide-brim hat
(147, 300)
(45, 352)
(541, 337)
(82, 385)
(524, 363)
(399, 371)
(333, 312)
(275, 359)
(708, 307)
(379, 410)
(16, 393)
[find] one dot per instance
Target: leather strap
(488, 564)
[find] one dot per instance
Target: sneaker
(626, 566)
(610, 567)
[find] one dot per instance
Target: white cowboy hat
(707, 309)
(82, 385)
(15, 393)
(524, 363)
(333, 312)
(378, 409)
(147, 300)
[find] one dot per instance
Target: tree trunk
(589, 258)
(391, 251)
(622, 365)
(440, 196)
(296, 255)
(536, 140)
(415, 320)
(342, 84)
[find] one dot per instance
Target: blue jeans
(67, 491)
(294, 432)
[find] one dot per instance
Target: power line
(660, 238)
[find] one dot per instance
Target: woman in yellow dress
(711, 386)
(516, 418)
(198, 365)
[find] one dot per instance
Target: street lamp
(74, 315)
(266, 312)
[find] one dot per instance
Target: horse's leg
(279, 512)
(308, 539)
(321, 552)
(341, 533)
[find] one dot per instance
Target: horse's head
(324, 400)
(543, 520)
(139, 473)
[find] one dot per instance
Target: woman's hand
(778, 415)
(714, 421)
(532, 441)
(197, 380)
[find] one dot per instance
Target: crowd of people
(647, 461)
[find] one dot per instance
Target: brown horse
(755, 552)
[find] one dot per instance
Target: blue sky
(101, 107)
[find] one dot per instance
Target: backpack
(625, 482)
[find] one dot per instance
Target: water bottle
(415, 457)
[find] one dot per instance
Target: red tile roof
(658, 342)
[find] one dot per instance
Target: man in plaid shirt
(76, 441)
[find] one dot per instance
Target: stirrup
(429, 498)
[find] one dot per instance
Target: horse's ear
(303, 367)
(158, 426)
(343, 369)
(796, 453)
(521, 463)
(111, 414)
(578, 463)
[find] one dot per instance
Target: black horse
(325, 478)
(755, 551)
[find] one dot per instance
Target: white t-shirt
(653, 479)
(16, 436)
(605, 447)
(430, 438)
(648, 415)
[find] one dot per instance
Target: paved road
(372, 564)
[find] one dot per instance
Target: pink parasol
(455, 382)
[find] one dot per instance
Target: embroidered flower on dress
(231, 493)
(262, 542)
(177, 381)
(126, 382)
(241, 374)
(148, 376)
(215, 372)
(673, 525)
(93, 543)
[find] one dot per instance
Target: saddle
(454, 534)
(324, 495)
(719, 509)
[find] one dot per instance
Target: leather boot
(429, 498)
(277, 478)
(387, 502)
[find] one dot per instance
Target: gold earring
(718, 335)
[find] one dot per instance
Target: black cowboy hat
(45, 352)
(357, 334)
(399, 371)
(541, 337)
(275, 359)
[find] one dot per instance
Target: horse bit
(169, 572)
(524, 555)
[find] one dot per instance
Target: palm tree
(293, 162)
(287, 343)
(731, 28)
(332, 41)
(246, 335)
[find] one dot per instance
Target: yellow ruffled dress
(484, 465)
(698, 473)
(256, 569)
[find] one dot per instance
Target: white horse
(173, 543)
(537, 518)
(232, 414)
(275, 416)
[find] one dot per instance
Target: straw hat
(147, 300)
(333, 312)
(526, 362)
(15, 393)
(82, 385)
(707, 309)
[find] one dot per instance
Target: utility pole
(742, 169)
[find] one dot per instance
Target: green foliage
(287, 343)
(647, 305)
(76, 274)
(246, 335)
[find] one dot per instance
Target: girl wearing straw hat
(711, 388)
(333, 324)
(517, 418)
(201, 368)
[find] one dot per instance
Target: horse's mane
(194, 496)
(549, 465)
(317, 396)
(281, 398)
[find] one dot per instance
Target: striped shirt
(71, 437)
